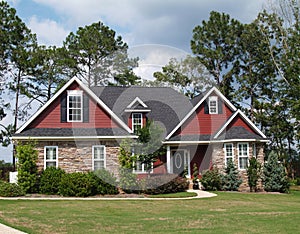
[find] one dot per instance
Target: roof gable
(249, 123)
(197, 101)
(85, 89)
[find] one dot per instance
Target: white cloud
(48, 31)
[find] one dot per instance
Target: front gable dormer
(137, 111)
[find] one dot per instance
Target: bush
(129, 182)
(275, 178)
(27, 169)
(77, 184)
(50, 180)
(211, 180)
(105, 182)
(10, 190)
(162, 184)
(231, 180)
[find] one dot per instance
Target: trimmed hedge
(162, 184)
(10, 190)
(211, 180)
(50, 180)
(79, 184)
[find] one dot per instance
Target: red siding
(130, 120)
(239, 122)
(50, 117)
(206, 124)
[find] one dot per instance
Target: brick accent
(218, 160)
(76, 156)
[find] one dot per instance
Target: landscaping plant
(231, 180)
(253, 173)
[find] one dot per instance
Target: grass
(229, 212)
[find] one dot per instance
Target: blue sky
(155, 30)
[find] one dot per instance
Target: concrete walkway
(8, 230)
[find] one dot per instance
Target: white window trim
(143, 171)
(213, 98)
(74, 93)
(254, 150)
(93, 158)
(132, 120)
(45, 158)
(225, 153)
(238, 150)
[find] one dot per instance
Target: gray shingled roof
(167, 105)
(60, 132)
(238, 132)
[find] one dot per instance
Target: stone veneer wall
(76, 156)
(218, 159)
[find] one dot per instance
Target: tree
(253, 173)
(187, 75)
(274, 175)
(215, 45)
(96, 54)
(231, 180)
(27, 168)
(149, 145)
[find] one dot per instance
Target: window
(243, 153)
(213, 105)
(137, 122)
(228, 150)
(99, 157)
(142, 167)
(50, 156)
(254, 150)
(74, 106)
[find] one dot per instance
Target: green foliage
(253, 173)
(211, 180)
(10, 190)
(129, 182)
(50, 180)
(195, 172)
(5, 168)
(125, 157)
(79, 184)
(27, 169)
(187, 75)
(105, 181)
(95, 53)
(214, 43)
(163, 184)
(274, 175)
(231, 180)
(76, 184)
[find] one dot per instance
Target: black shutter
(86, 113)
(220, 106)
(63, 107)
(206, 108)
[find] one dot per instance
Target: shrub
(77, 184)
(275, 178)
(253, 173)
(50, 180)
(27, 169)
(105, 182)
(10, 190)
(231, 180)
(128, 181)
(298, 181)
(162, 184)
(211, 180)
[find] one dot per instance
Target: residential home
(80, 129)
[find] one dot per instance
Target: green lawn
(226, 213)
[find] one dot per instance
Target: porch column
(168, 159)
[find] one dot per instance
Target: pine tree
(275, 178)
(253, 173)
(231, 180)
